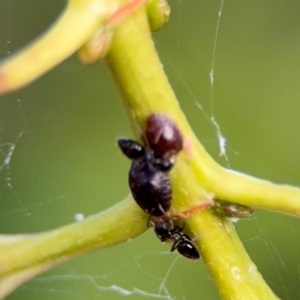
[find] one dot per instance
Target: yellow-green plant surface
(196, 179)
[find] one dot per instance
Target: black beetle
(148, 178)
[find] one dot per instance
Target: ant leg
(184, 223)
(150, 223)
(167, 216)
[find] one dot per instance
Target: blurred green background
(62, 131)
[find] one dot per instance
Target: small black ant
(181, 241)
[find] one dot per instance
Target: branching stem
(196, 178)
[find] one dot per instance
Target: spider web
(234, 70)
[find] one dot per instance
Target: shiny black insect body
(149, 181)
(148, 178)
(181, 242)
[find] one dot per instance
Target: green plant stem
(243, 189)
(234, 273)
(196, 178)
(10, 282)
(120, 223)
(77, 24)
(158, 12)
(146, 90)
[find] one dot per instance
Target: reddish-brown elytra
(162, 135)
